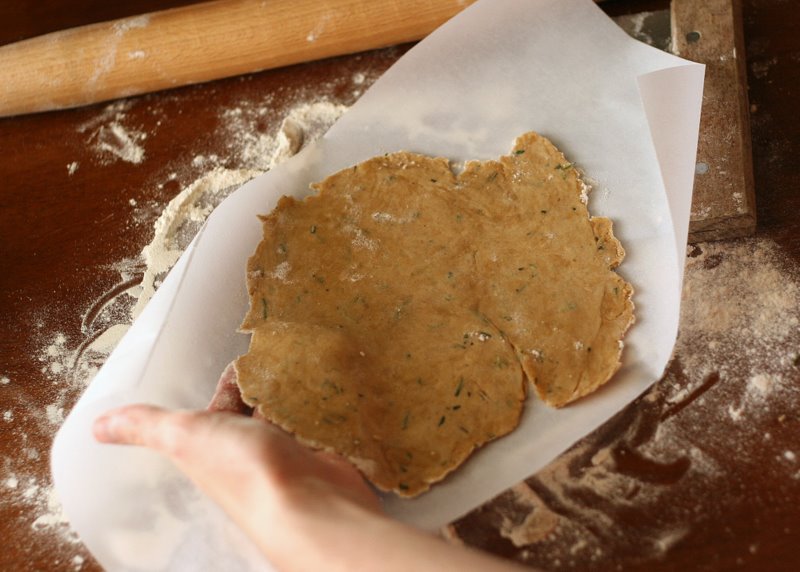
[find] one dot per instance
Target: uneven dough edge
(603, 232)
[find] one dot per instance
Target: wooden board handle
(200, 43)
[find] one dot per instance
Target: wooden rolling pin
(200, 43)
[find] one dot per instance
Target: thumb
(223, 453)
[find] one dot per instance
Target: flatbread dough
(396, 314)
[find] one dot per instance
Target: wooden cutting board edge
(724, 202)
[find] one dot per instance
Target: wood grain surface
(723, 204)
(200, 43)
(700, 473)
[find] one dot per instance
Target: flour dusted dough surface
(396, 314)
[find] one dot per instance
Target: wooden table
(700, 473)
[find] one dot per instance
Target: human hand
(258, 474)
(305, 510)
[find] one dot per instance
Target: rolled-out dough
(396, 314)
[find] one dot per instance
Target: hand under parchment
(305, 510)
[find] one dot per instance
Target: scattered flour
(69, 368)
(133, 23)
(319, 28)
(68, 361)
(111, 139)
(258, 152)
(736, 363)
(576, 506)
(741, 303)
(652, 28)
(192, 205)
(41, 504)
(305, 122)
(106, 341)
(255, 152)
(55, 414)
(281, 271)
(115, 141)
(53, 514)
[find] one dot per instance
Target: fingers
(227, 396)
(214, 449)
(230, 457)
(348, 480)
(130, 425)
(196, 440)
(192, 436)
(241, 463)
(149, 426)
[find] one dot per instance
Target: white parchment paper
(625, 113)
